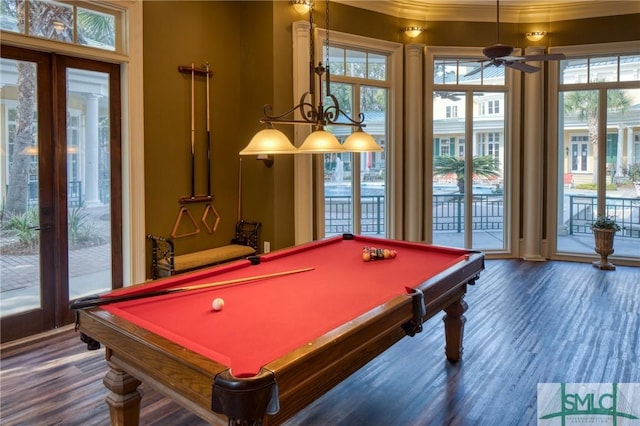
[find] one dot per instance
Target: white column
(414, 137)
(532, 167)
(302, 164)
(630, 147)
(91, 181)
(620, 151)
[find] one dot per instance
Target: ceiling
(514, 11)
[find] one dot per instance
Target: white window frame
(553, 130)
(512, 125)
(304, 176)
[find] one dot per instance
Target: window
(453, 71)
(579, 153)
(90, 25)
(452, 111)
(444, 147)
(461, 147)
(599, 69)
(348, 192)
(467, 206)
(361, 87)
(595, 87)
(490, 107)
(489, 144)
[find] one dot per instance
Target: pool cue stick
(240, 191)
(193, 131)
(206, 67)
(92, 301)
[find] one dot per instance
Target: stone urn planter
(604, 229)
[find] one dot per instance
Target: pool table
(295, 323)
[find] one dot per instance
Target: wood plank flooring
(527, 323)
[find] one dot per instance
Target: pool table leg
(454, 329)
(123, 398)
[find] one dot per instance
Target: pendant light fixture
(315, 113)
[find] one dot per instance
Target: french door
(60, 181)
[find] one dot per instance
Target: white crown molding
(511, 11)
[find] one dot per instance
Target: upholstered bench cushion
(185, 262)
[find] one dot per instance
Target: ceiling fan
(500, 54)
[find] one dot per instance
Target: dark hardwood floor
(527, 323)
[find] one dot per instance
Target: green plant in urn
(604, 228)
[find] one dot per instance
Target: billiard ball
(217, 304)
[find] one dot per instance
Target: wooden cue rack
(208, 198)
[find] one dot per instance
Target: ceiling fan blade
(520, 66)
(511, 58)
(545, 57)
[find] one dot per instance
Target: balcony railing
(582, 213)
(338, 214)
(487, 211)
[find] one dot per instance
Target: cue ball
(217, 304)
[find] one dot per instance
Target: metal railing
(487, 212)
(582, 213)
(74, 193)
(338, 214)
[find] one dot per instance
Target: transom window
(456, 72)
(358, 64)
(599, 69)
(90, 25)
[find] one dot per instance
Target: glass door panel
(88, 182)
(577, 200)
(469, 213)
(19, 182)
(487, 201)
(373, 172)
(28, 225)
(622, 196)
(449, 151)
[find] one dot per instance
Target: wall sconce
(535, 35)
(413, 32)
(566, 150)
(302, 6)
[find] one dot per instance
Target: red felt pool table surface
(264, 319)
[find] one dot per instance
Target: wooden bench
(165, 263)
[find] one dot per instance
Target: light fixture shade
(535, 35)
(302, 6)
(413, 32)
(319, 142)
(269, 141)
(360, 141)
